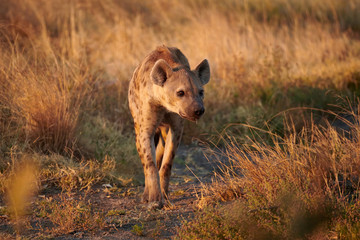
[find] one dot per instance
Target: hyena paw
(145, 196)
(155, 196)
(155, 200)
(155, 205)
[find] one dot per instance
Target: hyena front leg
(146, 149)
(171, 144)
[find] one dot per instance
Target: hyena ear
(160, 72)
(203, 71)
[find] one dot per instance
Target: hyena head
(180, 90)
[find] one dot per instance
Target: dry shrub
(303, 184)
(43, 99)
(315, 161)
(50, 116)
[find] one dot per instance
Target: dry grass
(69, 214)
(67, 211)
(42, 99)
(302, 185)
(58, 64)
(65, 67)
(71, 175)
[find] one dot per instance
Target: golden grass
(42, 101)
(282, 187)
(29, 174)
(65, 68)
(70, 175)
(58, 55)
(310, 164)
(70, 214)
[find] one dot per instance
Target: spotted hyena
(162, 93)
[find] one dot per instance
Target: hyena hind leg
(160, 140)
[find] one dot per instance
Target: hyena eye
(180, 93)
(201, 93)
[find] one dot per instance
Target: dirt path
(127, 217)
(162, 224)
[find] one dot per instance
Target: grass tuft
(69, 214)
(302, 185)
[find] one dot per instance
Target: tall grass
(62, 51)
(40, 93)
(303, 185)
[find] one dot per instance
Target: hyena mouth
(193, 119)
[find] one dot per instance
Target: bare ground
(125, 217)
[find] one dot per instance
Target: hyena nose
(200, 111)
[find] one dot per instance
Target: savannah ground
(285, 81)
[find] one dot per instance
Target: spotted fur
(162, 93)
